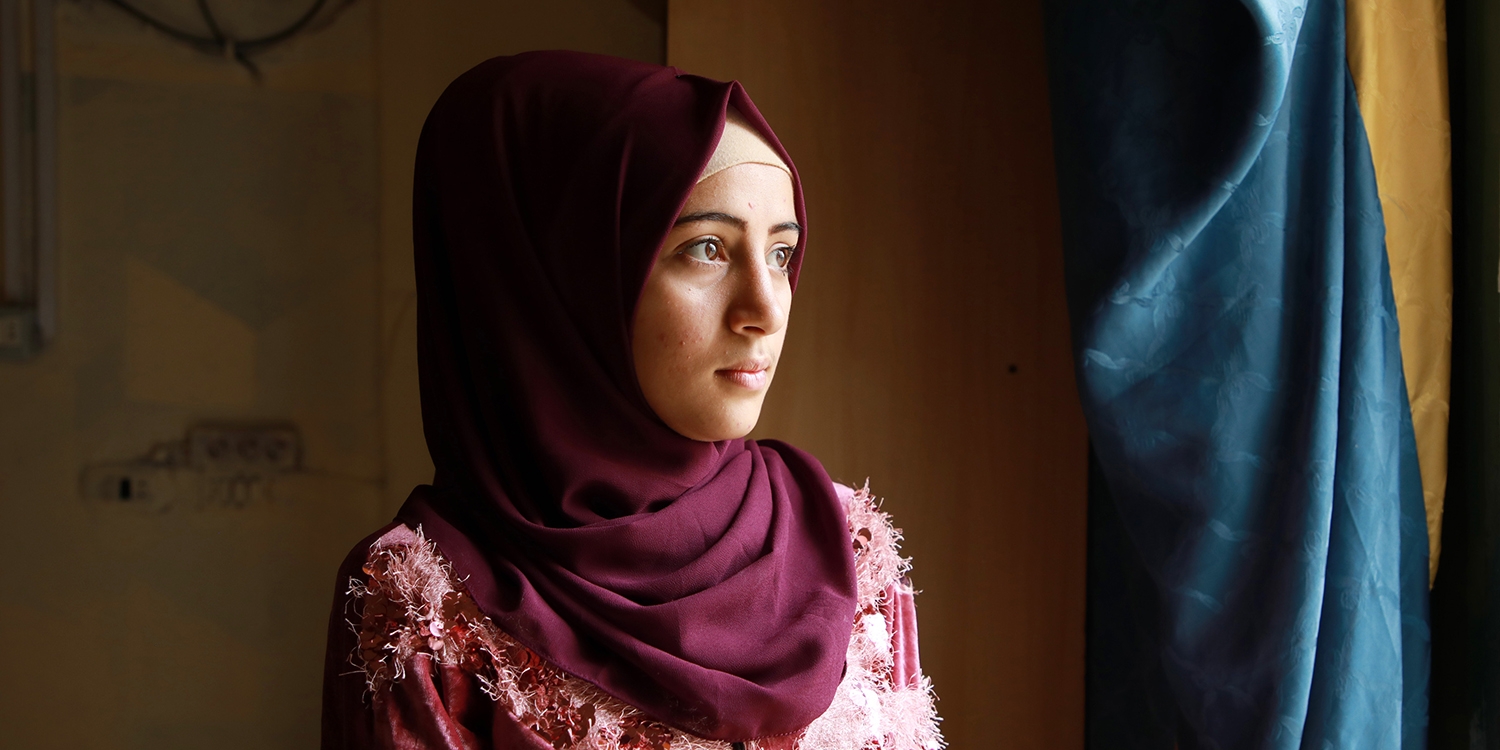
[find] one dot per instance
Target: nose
(755, 306)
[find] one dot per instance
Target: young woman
(606, 253)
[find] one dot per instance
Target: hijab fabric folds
(710, 585)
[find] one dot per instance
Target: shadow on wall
(231, 253)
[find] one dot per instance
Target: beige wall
(217, 261)
(928, 346)
(229, 250)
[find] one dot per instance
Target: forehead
(754, 189)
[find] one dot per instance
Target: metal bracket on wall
(28, 178)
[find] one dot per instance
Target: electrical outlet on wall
(244, 448)
(216, 464)
(138, 486)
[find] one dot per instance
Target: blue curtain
(1257, 540)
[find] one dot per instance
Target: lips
(752, 374)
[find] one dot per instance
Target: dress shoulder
(878, 563)
(345, 711)
(884, 699)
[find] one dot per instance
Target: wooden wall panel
(928, 347)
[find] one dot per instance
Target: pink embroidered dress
(413, 663)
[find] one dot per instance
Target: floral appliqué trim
(413, 606)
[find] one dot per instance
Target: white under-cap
(741, 144)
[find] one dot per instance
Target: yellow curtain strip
(1398, 57)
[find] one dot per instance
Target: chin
(724, 432)
(717, 415)
(731, 428)
(742, 432)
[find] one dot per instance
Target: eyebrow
(734, 221)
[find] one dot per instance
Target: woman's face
(712, 316)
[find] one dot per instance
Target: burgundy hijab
(710, 585)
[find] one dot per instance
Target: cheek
(677, 333)
(676, 327)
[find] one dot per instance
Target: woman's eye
(708, 251)
(779, 257)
